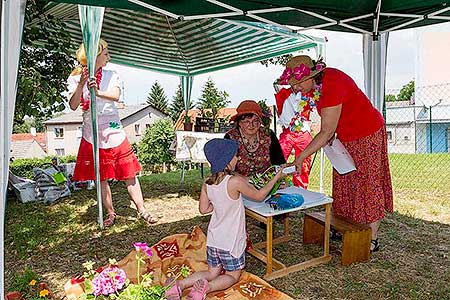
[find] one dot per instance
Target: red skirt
(118, 163)
(365, 194)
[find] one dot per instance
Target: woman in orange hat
(259, 147)
(363, 195)
(117, 160)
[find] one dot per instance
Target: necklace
(305, 106)
(250, 145)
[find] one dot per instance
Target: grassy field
(413, 263)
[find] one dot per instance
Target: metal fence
(418, 132)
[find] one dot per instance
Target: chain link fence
(418, 132)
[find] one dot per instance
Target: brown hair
(215, 179)
(81, 56)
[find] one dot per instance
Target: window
(137, 129)
(406, 138)
(389, 135)
(60, 151)
(59, 132)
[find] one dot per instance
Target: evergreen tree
(157, 98)
(212, 100)
(177, 105)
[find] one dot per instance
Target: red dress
(365, 194)
(117, 160)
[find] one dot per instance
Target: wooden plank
(337, 222)
(262, 257)
(269, 236)
(326, 236)
(278, 240)
(300, 266)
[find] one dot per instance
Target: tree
(26, 125)
(157, 98)
(154, 146)
(45, 63)
(212, 100)
(390, 98)
(406, 92)
(177, 105)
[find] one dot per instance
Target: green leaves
(45, 63)
(154, 146)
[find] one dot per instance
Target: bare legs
(374, 226)
(135, 192)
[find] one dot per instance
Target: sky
(254, 81)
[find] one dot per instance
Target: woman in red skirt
(365, 194)
(117, 160)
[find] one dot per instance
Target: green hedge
(23, 167)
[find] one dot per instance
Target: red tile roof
(194, 113)
(39, 138)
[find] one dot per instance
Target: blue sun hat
(219, 153)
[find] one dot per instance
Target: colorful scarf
(85, 103)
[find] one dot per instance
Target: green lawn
(413, 264)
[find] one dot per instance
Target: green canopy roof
(185, 47)
(361, 16)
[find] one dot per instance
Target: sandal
(110, 220)
(199, 290)
(147, 217)
(174, 293)
(374, 245)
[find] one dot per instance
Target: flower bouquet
(266, 113)
(258, 180)
(111, 282)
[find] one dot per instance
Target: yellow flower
(32, 282)
(43, 293)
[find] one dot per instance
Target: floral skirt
(118, 163)
(365, 194)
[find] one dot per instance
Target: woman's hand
(92, 83)
(84, 76)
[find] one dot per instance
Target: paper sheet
(339, 157)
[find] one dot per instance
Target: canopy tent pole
(91, 19)
(12, 18)
(186, 87)
(375, 52)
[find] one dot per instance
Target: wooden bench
(355, 237)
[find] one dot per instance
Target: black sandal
(374, 245)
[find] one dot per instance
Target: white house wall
(142, 118)
(69, 142)
(401, 138)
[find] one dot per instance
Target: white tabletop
(312, 199)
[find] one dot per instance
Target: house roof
(29, 138)
(21, 143)
(75, 117)
(194, 113)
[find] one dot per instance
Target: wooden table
(264, 213)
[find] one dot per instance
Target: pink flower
(142, 247)
(301, 71)
(109, 281)
(287, 74)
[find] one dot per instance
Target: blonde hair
(218, 177)
(81, 56)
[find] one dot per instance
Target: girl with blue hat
(221, 195)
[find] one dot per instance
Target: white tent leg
(375, 52)
(13, 12)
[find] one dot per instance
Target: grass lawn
(413, 263)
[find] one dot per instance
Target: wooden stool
(355, 237)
